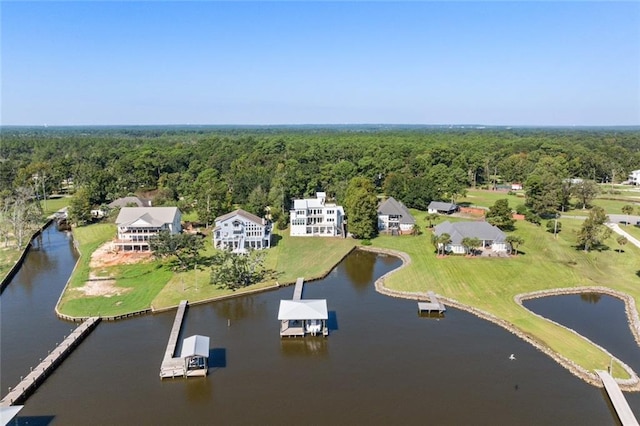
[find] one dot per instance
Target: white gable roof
(146, 216)
(195, 346)
(308, 309)
(243, 214)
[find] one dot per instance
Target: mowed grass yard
(152, 284)
(288, 259)
(490, 284)
(136, 284)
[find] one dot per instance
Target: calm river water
(381, 364)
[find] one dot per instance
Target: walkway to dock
(433, 305)
(174, 367)
(30, 383)
(297, 292)
(618, 400)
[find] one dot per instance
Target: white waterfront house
(137, 224)
(241, 231)
(394, 217)
(316, 217)
(634, 177)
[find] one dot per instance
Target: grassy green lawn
(52, 205)
(153, 284)
(290, 258)
(490, 284)
(612, 203)
(8, 257)
(136, 284)
(633, 230)
(486, 198)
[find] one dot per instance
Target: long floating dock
(618, 400)
(297, 292)
(174, 367)
(432, 305)
(31, 382)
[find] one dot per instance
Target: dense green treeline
(209, 170)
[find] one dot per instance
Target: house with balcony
(394, 218)
(137, 224)
(314, 217)
(241, 231)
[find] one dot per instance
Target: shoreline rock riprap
(632, 384)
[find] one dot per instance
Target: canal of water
(381, 364)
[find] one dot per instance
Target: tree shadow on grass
(275, 239)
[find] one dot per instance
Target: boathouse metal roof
(195, 346)
(308, 309)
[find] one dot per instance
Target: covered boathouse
(195, 355)
(302, 317)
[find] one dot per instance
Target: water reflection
(240, 308)
(430, 314)
(359, 267)
(598, 317)
(304, 346)
(590, 297)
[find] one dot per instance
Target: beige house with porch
(137, 224)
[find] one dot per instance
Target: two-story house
(634, 177)
(241, 231)
(137, 224)
(315, 217)
(394, 217)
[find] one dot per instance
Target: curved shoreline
(631, 385)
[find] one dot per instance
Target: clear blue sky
(296, 62)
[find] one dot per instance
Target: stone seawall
(632, 384)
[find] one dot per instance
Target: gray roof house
(490, 236)
(130, 202)
(442, 207)
(394, 217)
(137, 224)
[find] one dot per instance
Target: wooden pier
(618, 400)
(174, 367)
(31, 382)
(433, 305)
(297, 292)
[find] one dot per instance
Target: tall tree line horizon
(212, 170)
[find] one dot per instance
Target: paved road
(616, 228)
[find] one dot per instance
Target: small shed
(300, 317)
(442, 207)
(195, 354)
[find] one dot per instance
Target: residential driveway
(618, 230)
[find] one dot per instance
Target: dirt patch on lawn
(102, 287)
(100, 283)
(106, 255)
